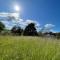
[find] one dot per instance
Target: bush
(16, 30)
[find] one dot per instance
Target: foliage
(30, 30)
(16, 30)
(29, 48)
(40, 34)
(58, 35)
(2, 26)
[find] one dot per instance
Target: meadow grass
(29, 48)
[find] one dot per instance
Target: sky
(45, 13)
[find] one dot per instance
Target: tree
(16, 30)
(30, 30)
(58, 35)
(2, 26)
(40, 33)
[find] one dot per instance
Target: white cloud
(32, 21)
(24, 23)
(48, 27)
(3, 14)
(29, 21)
(12, 19)
(20, 22)
(15, 15)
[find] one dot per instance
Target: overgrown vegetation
(29, 44)
(30, 30)
(29, 48)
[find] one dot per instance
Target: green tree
(30, 30)
(2, 26)
(58, 35)
(16, 30)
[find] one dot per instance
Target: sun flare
(17, 8)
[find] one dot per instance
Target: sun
(17, 8)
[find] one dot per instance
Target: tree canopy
(30, 30)
(16, 30)
(2, 26)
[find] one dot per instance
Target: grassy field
(29, 48)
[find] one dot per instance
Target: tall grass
(29, 48)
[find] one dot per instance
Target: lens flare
(17, 8)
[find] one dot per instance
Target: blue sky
(42, 11)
